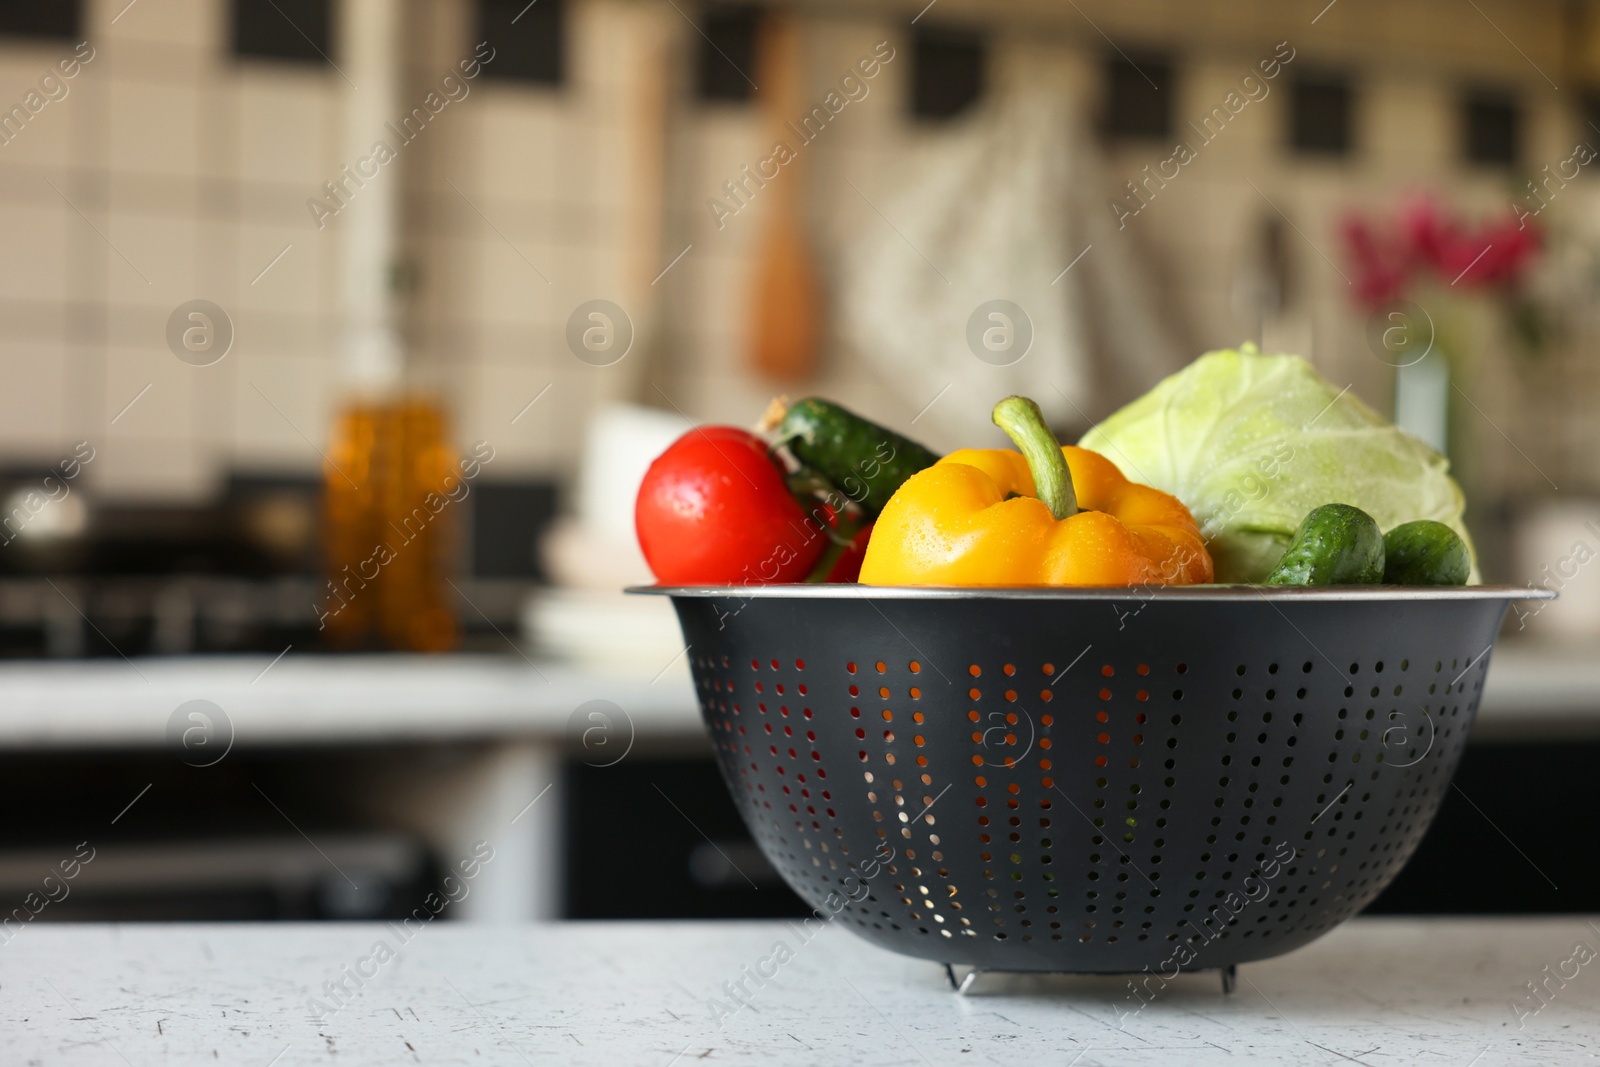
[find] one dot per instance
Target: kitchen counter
(1539, 691)
(512, 725)
(1374, 991)
(330, 699)
(1533, 692)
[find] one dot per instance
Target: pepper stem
(1024, 423)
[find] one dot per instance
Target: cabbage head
(1251, 443)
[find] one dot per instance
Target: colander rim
(1204, 593)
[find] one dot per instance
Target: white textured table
(1379, 991)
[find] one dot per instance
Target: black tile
(1589, 112)
(293, 30)
(1320, 115)
(528, 38)
(1138, 96)
(41, 18)
(507, 521)
(947, 70)
(725, 52)
(1491, 127)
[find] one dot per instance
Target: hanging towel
(997, 206)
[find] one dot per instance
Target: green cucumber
(1425, 553)
(1335, 544)
(865, 461)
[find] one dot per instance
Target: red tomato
(714, 509)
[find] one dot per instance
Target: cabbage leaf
(1251, 443)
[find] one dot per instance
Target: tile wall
(172, 171)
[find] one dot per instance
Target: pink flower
(1423, 240)
(1507, 252)
(1381, 266)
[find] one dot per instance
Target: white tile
(287, 122)
(606, 272)
(31, 86)
(284, 204)
(154, 259)
(33, 256)
(165, 410)
(192, 24)
(512, 143)
(154, 127)
(718, 308)
(292, 284)
(217, 258)
(510, 290)
(33, 404)
(448, 265)
(285, 408)
(1551, 137)
(219, 126)
(326, 249)
(84, 375)
(1410, 124)
(153, 470)
(498, 392)
(540, 345)
(214, 394)
(262, 333)
(131, 190)
(592, 161)
(35, 321)
(722, 398)
(598, 36)
(89, 109)
(720, 142)
(141, 326)
(579, 389)
(475, 214)
(1252, 127)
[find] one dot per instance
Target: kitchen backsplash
(167, 169)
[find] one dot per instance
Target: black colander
(1097, 780)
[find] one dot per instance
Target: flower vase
(1422, 400)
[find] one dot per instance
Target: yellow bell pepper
(1047, 515)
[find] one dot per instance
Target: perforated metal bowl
(1096, 780)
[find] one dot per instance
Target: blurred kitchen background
(243, 344)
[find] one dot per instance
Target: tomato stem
(1024, 423)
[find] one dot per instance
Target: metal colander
(1094, 780)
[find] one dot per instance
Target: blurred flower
(1423, 242)
(1379, 265)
